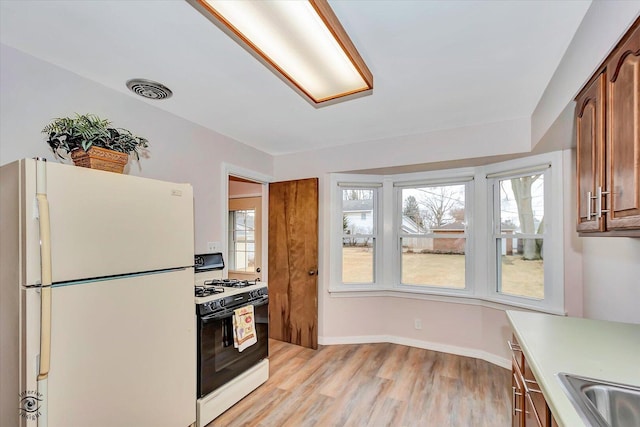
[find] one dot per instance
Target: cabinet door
(537, 412)
(623, 136)
(590, 153)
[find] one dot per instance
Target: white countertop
(590, 348)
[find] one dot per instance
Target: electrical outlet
(213, 247)
(417, 323)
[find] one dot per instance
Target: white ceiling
(436, 64)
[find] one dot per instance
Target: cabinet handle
(599, 210)
(589, 199)
(515, 377)
(514, 394)
(514, 346)
(535, 390)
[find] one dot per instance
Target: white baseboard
(427, 345)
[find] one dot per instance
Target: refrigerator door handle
(45, 294)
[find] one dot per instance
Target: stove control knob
(220, 303)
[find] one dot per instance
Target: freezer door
(104, 224)
(123, 353)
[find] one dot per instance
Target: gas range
(211, 286)
(226, 374)
(211, 291)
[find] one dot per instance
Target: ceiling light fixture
(301, 41)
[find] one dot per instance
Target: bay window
(492, 233)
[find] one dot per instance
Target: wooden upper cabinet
(590, 153)
(608, 144)
(623, 136)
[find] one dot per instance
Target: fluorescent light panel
(302, 40)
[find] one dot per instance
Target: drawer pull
(534, 390)
(514, 394)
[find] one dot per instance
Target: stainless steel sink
(602, 403)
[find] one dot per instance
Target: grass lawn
(519, 277)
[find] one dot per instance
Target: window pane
(434, 261)
(357, 211)
(357, 261)
(241, 261)
(522, 204)
(241, 247)
(251, 261)
(429, 208)
(240, 220)
(518, 275)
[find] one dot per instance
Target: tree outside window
(520, 236)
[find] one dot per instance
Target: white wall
(603, 25)
(34, 92)
(611, 271)
(491, 139)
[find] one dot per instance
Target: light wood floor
(374, 385)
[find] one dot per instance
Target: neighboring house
(359, 220)
(410, 226)
(449, 245)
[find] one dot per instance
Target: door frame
(229, 169)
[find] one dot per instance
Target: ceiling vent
(149, 89)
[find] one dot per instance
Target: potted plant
(92, 142)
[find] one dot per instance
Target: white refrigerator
(97, 320)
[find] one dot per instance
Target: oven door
(218, 360)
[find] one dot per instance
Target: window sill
(467, 299)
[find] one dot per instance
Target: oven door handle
(209, 319)
(229, 312)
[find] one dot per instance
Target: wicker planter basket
(100, 158)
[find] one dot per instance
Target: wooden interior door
(293, 262)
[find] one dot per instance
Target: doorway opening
(244, 227)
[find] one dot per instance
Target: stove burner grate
(205, 291)
(229, 283)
